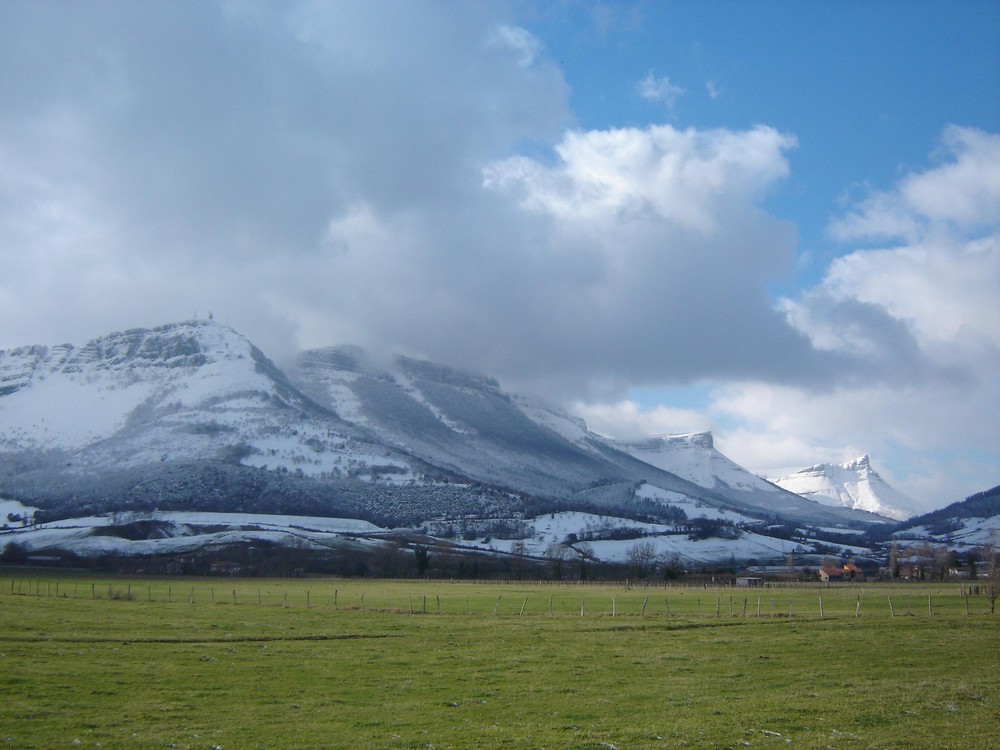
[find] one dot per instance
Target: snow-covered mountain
(851, 485)
(192, 417)
(695, 458)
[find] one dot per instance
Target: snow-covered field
(557, 527)
(974, 532)
(184, 532)
(692, 508)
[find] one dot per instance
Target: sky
(778, 221)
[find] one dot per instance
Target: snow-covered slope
(851, 485)
(467, 424)
(189, 391)
(695, 458)
(193, 417)
(970, 523)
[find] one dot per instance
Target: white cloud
(521, 42)
(689, 177)
(913, 331)
(962, 195)
(659, 89)
(626, 420)
(926, 310)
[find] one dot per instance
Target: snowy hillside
(851, 485)
(694, 457)
(191, 417)
(970, 523)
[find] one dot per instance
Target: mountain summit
(854, 484)
(192, 417)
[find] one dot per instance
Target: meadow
(277, 663)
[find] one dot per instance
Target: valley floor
(241, 663)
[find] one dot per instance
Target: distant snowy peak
(854, 484)
(693, 456)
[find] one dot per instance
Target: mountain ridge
(192, 416)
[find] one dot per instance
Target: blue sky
(775, 220)
(866, 87)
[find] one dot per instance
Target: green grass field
(136, 663)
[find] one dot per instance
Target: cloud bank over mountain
(412, 177)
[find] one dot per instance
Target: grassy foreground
(370, 664)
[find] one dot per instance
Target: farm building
(831, 575)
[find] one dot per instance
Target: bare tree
(557, 554)
(641, 557)
(671, 566)
(894, 560)
(584, 553)
(518, 562)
